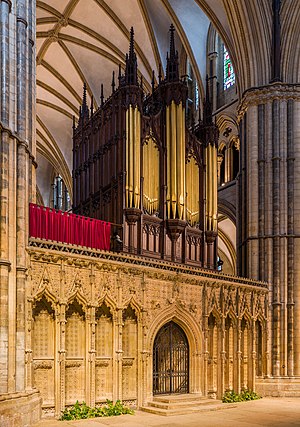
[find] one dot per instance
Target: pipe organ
(137, 165)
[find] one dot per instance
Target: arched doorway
(170, 361)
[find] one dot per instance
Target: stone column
(222, 355)
(238, 356)
(61, 372)
(5, 263)
(268, 203)
(92, 341)
(119, 342)
(205, 352)
(17, 188)
(212, 57)
(252, 356)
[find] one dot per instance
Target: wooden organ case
(137, 165)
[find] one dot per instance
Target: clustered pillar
(17, 166)
(268, 228)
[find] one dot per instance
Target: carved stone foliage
(105, 285)
(91, 321)
(121, 284)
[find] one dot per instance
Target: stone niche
(93, 319)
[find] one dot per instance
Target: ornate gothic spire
(84, 106)
(172, 74)
(102, 95)
(113, 84)
(131, 63)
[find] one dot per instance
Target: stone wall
(92, 318)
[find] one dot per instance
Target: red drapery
(49, 224)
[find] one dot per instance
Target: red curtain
(49, 224)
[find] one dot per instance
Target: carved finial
(113, 84)
(84, 94)
(84, 109)
(131, 45)
(152, 83)
(92, 105)
(120, 75)
(172, 42)
(172, 73)
(159, 73)
(102, 96)
(74, 125)
(131, 63)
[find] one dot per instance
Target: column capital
(268, 93)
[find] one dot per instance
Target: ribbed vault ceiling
(85, 40)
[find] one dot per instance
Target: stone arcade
(153, 315)
(92, 319)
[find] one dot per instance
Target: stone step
(173, 404)
(187, 410)
(170, 398)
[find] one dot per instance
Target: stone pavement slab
(267, 412)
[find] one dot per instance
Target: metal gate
(170, 361)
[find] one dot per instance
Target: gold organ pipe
(151, 177)
(215, 188)
(127, 159)
(183, 165)
(208, 187)
(145, 174)
(168, 141)
(178, 170)
(137, 157)
(188, 197)
(192, 183)
(153, 172)
(175, 138)
(173, 166)
(211, 187)
(131, 157)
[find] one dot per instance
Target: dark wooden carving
(99, 165)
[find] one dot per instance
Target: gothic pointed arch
(185, 320)
(170, 360)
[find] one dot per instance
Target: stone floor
(276, 412)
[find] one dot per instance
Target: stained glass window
(229, 76)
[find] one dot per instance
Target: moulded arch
(135, 306)
(188, 324)
(108, 302)
(247, 317)
(211, 39)
(47, 297)
(227, 209)
(216, 314)
(222, 145)
(232, 316)
(77, 296)
(193, 333)
(45, 292)
(260, 318)
(227, 120)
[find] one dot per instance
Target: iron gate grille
(170, 361)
